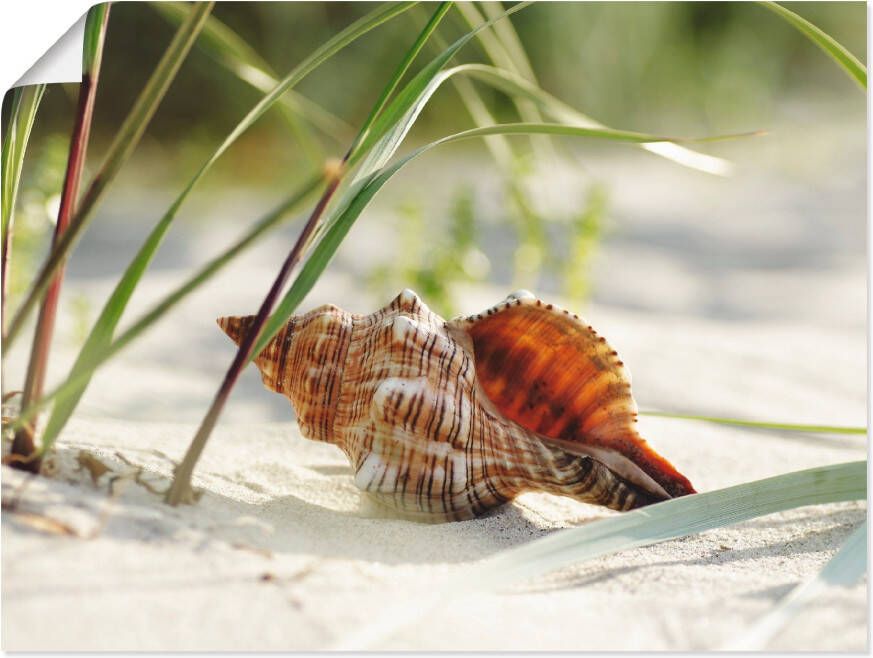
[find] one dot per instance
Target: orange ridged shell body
(450, 419)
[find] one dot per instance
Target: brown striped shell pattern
(446, 420)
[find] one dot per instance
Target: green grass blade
(391, 126)
(92, 43)
(104, 328)
(494, 42)
(83, 374)
(24, 104)
(228, 49)
(836, 51)
(843, 570)
(406, 107)
(409, 102)
(671, 519)
(764, 425)
(514, 85)
(122, 147)
(402, 68)
(510, 42)
(22, 113)
(519, 80)
(611, 134)
(500, 147)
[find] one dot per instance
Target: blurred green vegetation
(654, 67)
(661, 67)
(432, 260)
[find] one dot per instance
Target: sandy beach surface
(745, 314)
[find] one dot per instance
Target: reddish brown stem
(24, 445)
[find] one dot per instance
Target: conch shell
(450, 419)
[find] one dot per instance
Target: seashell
(447, 420)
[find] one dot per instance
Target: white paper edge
(62, 62)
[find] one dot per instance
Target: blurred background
(596, 225)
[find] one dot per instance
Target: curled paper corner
(60, 63)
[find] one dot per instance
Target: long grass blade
(514, 85)
(836, 51)
(499, 147)
(104, 328)
(843, 570)
(122, 147)
(409, 102)
(503, 47)
(402, 68)
(22, 114)
(180, 490)
(671, 519)
(764, 425)
(80, 376)
(95, 33)
(509, 42)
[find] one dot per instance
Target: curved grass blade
(764, 425)
(22, 113)
(83, 374)
(499, 147)
(413, 95)
(843, 570)
(101, 335)
(509, 42)
(836, 51)
(122, 147)
(670, 519)
(515, 85)
(402, 68)
(494, 42)
(228, 49)
(180, 490)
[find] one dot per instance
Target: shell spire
(445, 420)
(304, 361)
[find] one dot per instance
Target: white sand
(282, 552)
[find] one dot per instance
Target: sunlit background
(596, 225)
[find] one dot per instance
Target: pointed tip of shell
(235, 326)
(409, 302)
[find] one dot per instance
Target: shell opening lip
(616, 462)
